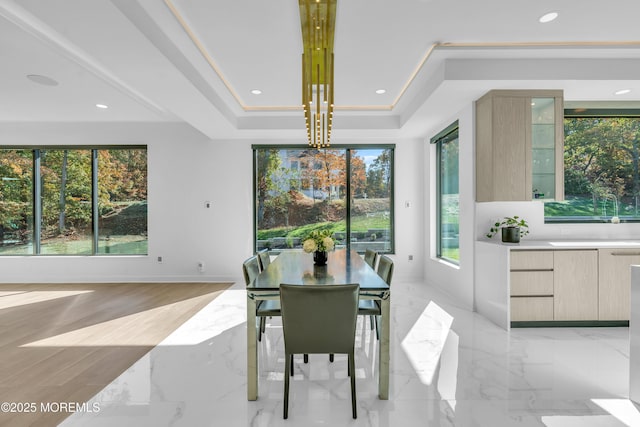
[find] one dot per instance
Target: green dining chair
(264, 308)
(264, 258)
(319, 319)
(372, 307)
(385, 269)
(370, 257)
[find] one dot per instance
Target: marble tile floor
(449, 367)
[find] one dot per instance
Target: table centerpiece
(319, 242)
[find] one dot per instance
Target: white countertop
(566, 244)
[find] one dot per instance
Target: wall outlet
(207, 204)
(201, 266)
(410, 257)
(160, 260)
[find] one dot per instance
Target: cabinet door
(614, 275)
(575, 285)
(510, 169)
(547, 148)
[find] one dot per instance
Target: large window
(348, 190)
(601, 167)
(448, 211)
(73, 201)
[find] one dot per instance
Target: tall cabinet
(520, 145)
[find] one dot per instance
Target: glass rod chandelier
(318, 18)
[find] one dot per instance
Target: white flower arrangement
(320, 241)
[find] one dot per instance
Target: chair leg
(377, 327)
(352, 368)
(261, 328)
(371, 322)
(287, 361)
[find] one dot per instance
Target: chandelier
(318, 19)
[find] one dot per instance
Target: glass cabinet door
(543, 146)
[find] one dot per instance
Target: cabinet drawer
(531, 283)
(531, 260)
(531, 308)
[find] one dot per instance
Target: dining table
(297, 267)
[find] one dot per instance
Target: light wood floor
(65, 343)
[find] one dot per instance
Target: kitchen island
(555, 283)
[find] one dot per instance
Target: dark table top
(296, 267)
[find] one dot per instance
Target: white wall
(454, 280)
(410, 221)
(181, 178)
(185, 170)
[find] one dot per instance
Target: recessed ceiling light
(43, 80)
(380, 91)
(256, 91)
(104, 107)
(622, 91)
(548, 17)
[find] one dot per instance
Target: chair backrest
(385, 269)
(370, 257)
(250, 269)
(319, 318)
(264, 258)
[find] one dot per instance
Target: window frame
(445, 136)
(348, 148)
(36, 195)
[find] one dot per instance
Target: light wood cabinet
(531, 283)
(524, 283)
(531, 260)
(575, 285)
(531, 309)
(519, 145)
(614, 279)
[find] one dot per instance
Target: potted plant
(512, 228)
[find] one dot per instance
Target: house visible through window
(347, 190)
(73, 201)
(601, 167)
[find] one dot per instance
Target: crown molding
(410, 79)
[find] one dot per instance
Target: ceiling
(196, 62)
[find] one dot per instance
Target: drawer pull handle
(533, 296)
(625, 254)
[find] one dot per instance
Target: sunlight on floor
(18, 298)
(426, 340)
(225, 312)
(142, 321)
(623, 409)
